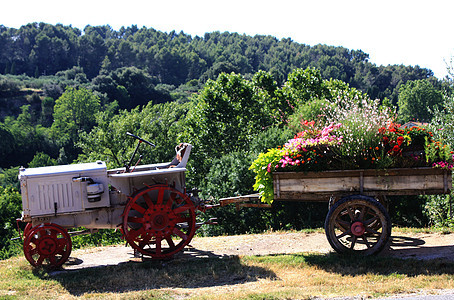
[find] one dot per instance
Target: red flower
(400, 140)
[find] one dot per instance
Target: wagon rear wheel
(358, 224)
(159, 221)
(48, 245)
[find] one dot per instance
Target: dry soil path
(418, 246)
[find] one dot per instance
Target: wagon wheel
(159, 221)
(358, 224)
(47, 244)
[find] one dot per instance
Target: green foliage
(8, 177)
(10, 210)
(264, 178)
(42, 160)
(229, 176)
(8, 86)
(7, 146)
(310, 110)
(160, 124)
(442, 124)
(74, 111)
(28, 139)
(440, 210)
(415, 100)
(102, 237)
(226, 117)
(176, 58)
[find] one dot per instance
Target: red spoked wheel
(159, 221)
(47, 244)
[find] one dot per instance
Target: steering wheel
(141, 139)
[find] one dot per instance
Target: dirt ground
(418, 246)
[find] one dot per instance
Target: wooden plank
(320, 186)
(239, 199)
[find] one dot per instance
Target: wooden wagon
(357, 220)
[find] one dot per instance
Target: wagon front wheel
(159, 221)
(358, 224)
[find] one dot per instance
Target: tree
(227, 115)
(7, 146)
(416, 98)
(75, 111)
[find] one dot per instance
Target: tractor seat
(182, 155)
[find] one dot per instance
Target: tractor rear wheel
(159, 221)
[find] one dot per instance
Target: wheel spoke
(147, 200)
(52, 260)
(160, 199)
(363, 212)
(368, 229)
(350, 213)
(40, 260)
(146, 240)
(182, 208)
(138, 208)
(354, 238)
(367, 222)
(61, 244)
(158, 245)
(172, 199)
(170, 242)
(135, 220)
(182, 219)
(180, 233)
(366, 241)
(348, 232)
(343, 225)
(135, 233)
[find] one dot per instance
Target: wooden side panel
(320, 186)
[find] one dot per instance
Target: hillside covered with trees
(69, 95)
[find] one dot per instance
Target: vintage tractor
(150, 204)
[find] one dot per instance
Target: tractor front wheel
(47, 244)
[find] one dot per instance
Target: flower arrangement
(361, 139)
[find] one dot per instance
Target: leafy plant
(262, 167)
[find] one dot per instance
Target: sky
(390, 31)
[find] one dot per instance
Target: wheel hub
(159, 222)
(358, 228)
(47, 246)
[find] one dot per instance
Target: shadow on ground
(190, 270)
(405, 255)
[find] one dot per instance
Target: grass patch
(286, 276)
(413, 230)
(290, 276)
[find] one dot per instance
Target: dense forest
(69, 95)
